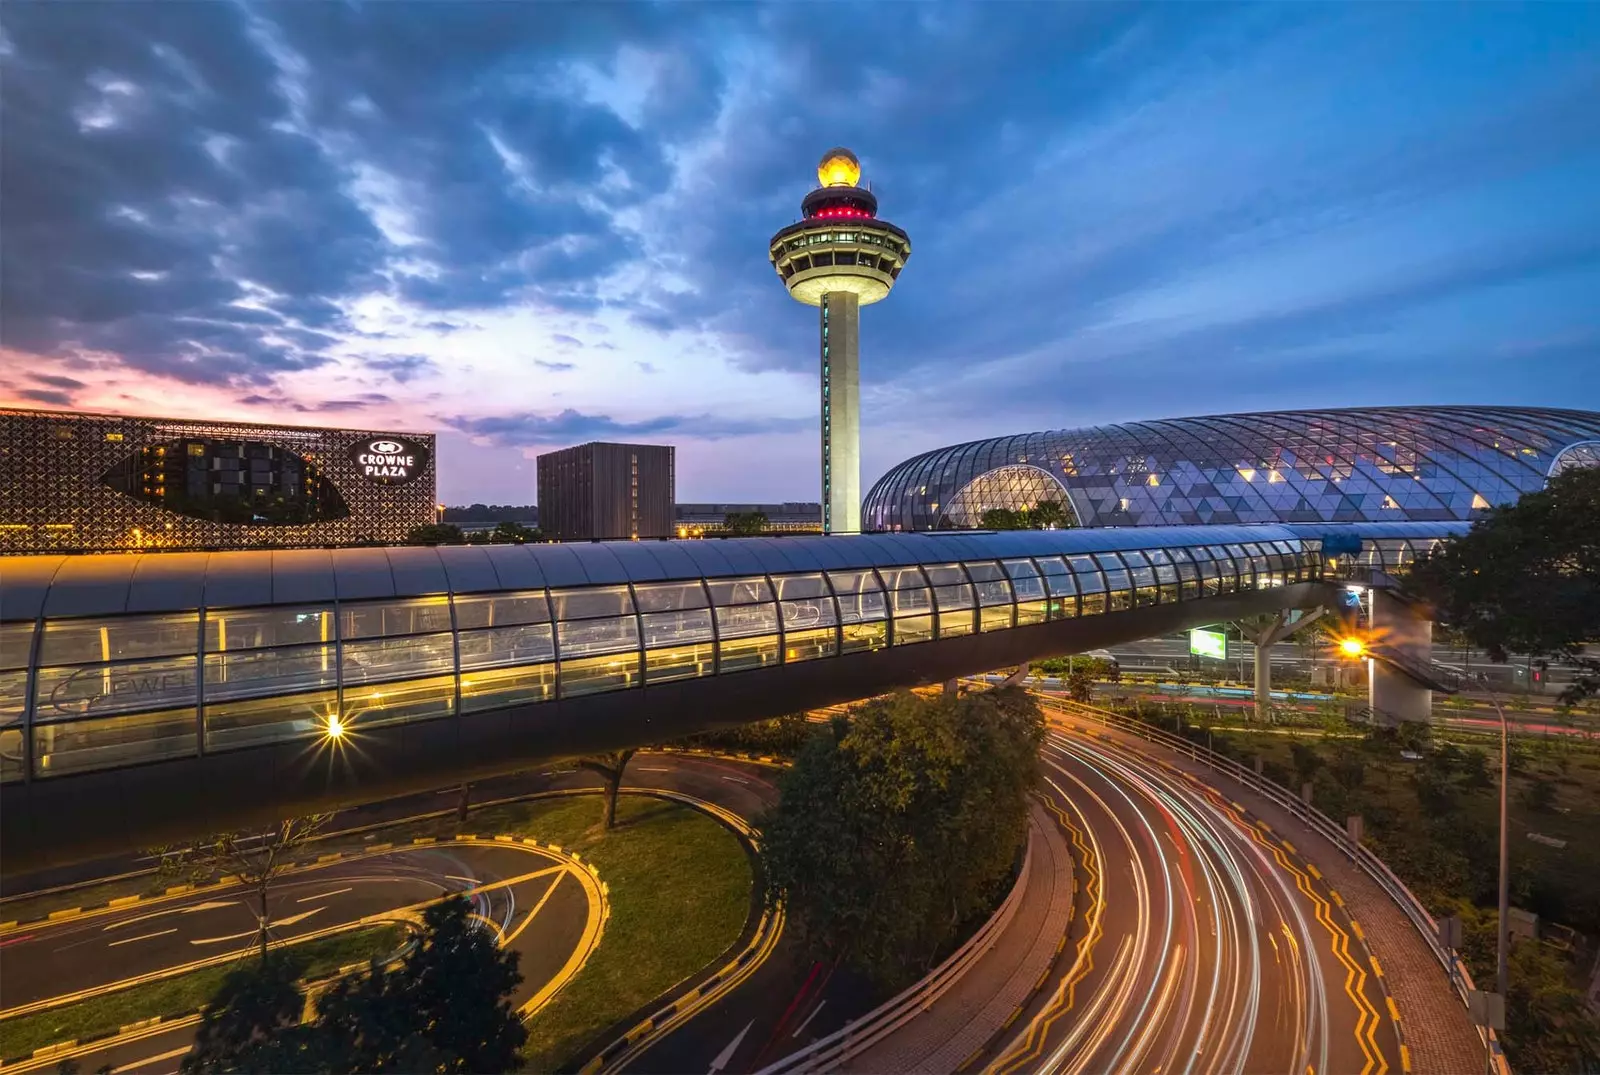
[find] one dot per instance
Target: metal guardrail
(1315, 819)
(830, 1053)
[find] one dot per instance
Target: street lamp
(1352, 647)
(1503, 939)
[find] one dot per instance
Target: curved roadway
(501, 879)
(1199, 943)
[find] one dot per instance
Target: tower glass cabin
(839, 258)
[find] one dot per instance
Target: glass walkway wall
(89, 692)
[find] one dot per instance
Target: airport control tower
(839, 258)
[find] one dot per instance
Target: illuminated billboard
(1205, 642)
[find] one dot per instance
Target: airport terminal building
(103, 483)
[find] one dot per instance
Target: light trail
(1223, 945)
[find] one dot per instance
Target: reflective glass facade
(1375, 464)
(110, 661)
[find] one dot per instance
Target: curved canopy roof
(113, 584)
(1370, 464)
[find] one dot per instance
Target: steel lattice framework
(53, 497)
(1375, 464)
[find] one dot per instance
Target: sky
(529, 225)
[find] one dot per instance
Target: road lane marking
(810, 1017)
(325, 895)
(208, 905)
(725, 1057)
(168, 1055)
(536, 908)
(458, 877)
(291, 920)
(649, 769)
(142, 937)
(736, 780)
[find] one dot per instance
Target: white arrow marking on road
(810, 1017)
(291, 920)
(726, 1056)
(144, 937)
(210, 905)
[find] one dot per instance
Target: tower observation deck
(839, 258)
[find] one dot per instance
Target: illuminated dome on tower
(840, 257)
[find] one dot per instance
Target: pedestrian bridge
(149, 697)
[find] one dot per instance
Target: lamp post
(1503, 939)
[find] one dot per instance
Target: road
(1197, 944)
(85, 955)
(375, 882)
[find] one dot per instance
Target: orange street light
(1352, 647)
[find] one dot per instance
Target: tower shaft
(841, 412)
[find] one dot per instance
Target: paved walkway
(980, 1004)
(1437, 1030)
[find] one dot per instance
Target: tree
(1540, 795)
(1306, 761)
(251, 1023)
(510, 532)
(1080, 686)
(1045, 515)
(1049, 515)
(1001, 519)
(446, 1008)
(900, 824)
(609, 767)
(1526, 578)
(744, 523)
(255, 856)
(436, 534)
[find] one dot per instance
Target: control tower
(839, 258)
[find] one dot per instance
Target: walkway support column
(1264, 632)
(1403, 629)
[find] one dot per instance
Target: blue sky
(528, 225)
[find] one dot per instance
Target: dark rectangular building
(607, 492)
(106, 483)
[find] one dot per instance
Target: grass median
(186, 992)
(680, 895)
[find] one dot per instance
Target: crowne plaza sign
(389, 460)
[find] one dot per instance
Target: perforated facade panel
(102, 483)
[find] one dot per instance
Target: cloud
(404, 368)
(41, 395)
(1230, 202)
(570, 426)
(55, 381)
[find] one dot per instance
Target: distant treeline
(493, 513)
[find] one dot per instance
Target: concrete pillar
(1403, 629)
(841, 412)
(1015, 678)
(1264, 632)
(1264, 681)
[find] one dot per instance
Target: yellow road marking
(1066, 994)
